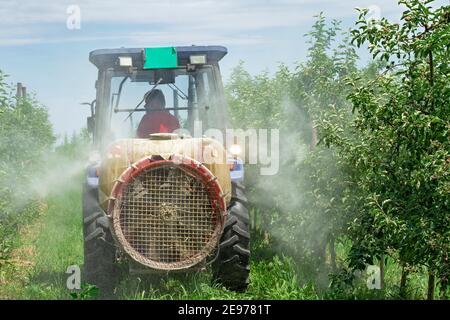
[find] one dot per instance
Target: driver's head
(155, 101)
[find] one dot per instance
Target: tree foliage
(26, 136)
(310, 196)
(402, 117)
(379, 174)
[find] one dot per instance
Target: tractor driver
(156, 119)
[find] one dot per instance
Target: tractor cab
(188, 77)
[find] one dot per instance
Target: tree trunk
(444, 277)
(255, 220)
(431, 284)
(333, 254)
(382, 271)
(403, 282)
(314, 137)
(443, 286)
(322, 267)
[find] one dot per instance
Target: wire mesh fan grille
(167, 216)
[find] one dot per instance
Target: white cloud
(227, 21)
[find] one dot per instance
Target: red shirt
(157, 122)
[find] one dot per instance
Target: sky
(45, 44)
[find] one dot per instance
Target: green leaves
(311, 197)
(403, 121)
(87, 292)
(380, 173)
(25, 136)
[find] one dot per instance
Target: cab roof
(107, 58)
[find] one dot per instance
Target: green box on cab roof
(160, 58)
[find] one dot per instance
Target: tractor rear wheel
(232, 265)
(99, 250)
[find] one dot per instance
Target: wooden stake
(19, 91)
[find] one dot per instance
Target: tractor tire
(99, 250)
(232, 265)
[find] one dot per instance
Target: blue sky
(38, 49)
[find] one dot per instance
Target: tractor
(170, 201)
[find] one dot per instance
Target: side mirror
(90, 124)
(91, 105)
(90, 120)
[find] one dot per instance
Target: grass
(54, 242)
(47, 247)
(51, 244)
(273, 279)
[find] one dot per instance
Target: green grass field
(53, 242)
